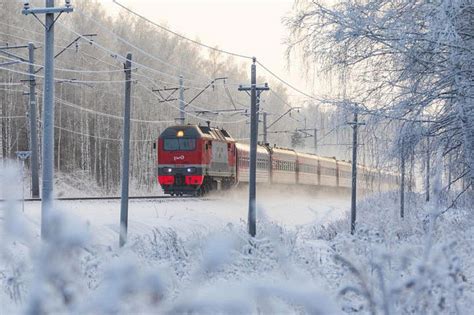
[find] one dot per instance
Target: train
(194, 160)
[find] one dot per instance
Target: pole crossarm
(166, 98)
(261, 87)
(47, 10)
(219, 111)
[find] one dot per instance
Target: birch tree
(409, 61)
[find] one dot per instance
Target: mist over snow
(196, 257)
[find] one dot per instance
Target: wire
(58, 46)
(12, 117)
(72, 105)
(111, 53)
(62, 69)
(98, 137)
(187, 113)
(281, 99)
(139, 65)
(135, 47)
(181, 36)
(286, 83)
(69, 81)
(11, 90)
(117, 55)
(88, 71)
(10, 84)
(64, 80)
(66, 103)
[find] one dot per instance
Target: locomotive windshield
(179, 144)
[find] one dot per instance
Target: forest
(409, 77)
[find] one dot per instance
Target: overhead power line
(123, 40)
(98, 137)
(69, 104)
(218, 50)
(12, 117)
(179, 35)
(189, 114)
(287, 83)
(117, 55)
(64, 80)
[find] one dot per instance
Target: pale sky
(248, 27)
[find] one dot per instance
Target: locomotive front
(180, 160)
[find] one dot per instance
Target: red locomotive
(195, 159)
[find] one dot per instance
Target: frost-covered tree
(408, 61)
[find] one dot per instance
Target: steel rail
(108, 198)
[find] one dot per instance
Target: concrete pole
(33, 129)
(48, 122)
(402, 180)
(253, 151)
(449, 170)
(428, 169)
(126, 152)
(258, 109)
(182, 117)
(265, 135)
(23, 186)
(354, 173)
(315, 140)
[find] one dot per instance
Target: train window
(179, 144)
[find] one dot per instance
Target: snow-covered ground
(193, 215)
(195, 256)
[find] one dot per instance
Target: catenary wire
(179, 35)
(123, 40)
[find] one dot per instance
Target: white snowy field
(195, 256)
(194, 215)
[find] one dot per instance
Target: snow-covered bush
(419, 264)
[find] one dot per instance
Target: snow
(195, 256)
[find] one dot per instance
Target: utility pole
(412, 169)
(258, 113)
(253, 145)
(265, 140)
(428, 168)
(126, 152)
(48, 104)
(315, 140)
(449, 170)
(23, 155)
(33, 134)
(402, 180)
(182, 104)
(355, 125)
(181, 101)
(33, 143)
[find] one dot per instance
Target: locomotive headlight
(191, 170)
(167, 169)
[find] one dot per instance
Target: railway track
(111, 198)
